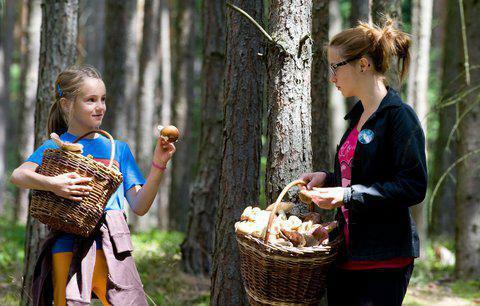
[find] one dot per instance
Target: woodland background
(255, 111)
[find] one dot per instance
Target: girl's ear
(66, 106)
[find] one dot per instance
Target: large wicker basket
(281, 275)
(62, 214)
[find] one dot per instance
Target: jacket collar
(391, 99)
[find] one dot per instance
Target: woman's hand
(69, 186)
(163, 152)
(327, 198)
(314, 179)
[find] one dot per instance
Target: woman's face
(343, 77)
(89, 108)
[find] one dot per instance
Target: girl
(71, 265)
(379, 170)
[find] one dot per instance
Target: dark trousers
(381, 287)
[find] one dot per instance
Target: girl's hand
(163, 152)
(70, 186)
(314, 179)
(327, 198)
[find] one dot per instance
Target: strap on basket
(105, 133)
(275, 206)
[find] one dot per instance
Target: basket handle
(105, 133)
(275, 206)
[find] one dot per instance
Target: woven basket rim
(86, 159)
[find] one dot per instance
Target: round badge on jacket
(366, 136)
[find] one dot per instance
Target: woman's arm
(140, 198)
(68, 185)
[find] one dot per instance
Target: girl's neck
(372, 95)
(79, 131)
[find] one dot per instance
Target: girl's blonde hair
(68, 85)
(379, 44)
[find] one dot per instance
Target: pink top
(345, 158)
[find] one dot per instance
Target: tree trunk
(91, 34)
(239, 179)
(146, 114)
(6, 49)
(166, 110)
(197, 248)
(418, 82)
(289, 75)
(442, 216)
(184, 101)
(360, 11)
(384, 9)
(121, 66)
(57, 52)
(467, 263)
(337, 107)
(389, 9)
(26, 105)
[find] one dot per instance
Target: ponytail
(56, 120)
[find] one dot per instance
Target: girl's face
(344, 77)
(89, 108)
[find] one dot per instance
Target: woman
(379, 170)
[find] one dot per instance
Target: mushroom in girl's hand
(168, 133)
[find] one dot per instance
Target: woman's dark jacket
(388, 175)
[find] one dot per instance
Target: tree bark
(91, 36)
(442, 216)
(166, 110)
(418, 81)
(239, 179)
(146, 114)
(360, 11)
(6, 49)
(289, 75)
(26, 103)
(183, 104)
(121, 66)
(197, 247)
(467, 264)
(57, 52)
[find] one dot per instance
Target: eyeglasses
(333, 67)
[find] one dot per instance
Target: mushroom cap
(171, 132)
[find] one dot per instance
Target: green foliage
(467, 289)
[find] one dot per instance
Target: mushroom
(169, 133)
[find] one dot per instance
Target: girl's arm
(68, 185)
(141, 198)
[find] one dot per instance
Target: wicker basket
(281, 275)
(62, 214)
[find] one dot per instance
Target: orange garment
(61, 265)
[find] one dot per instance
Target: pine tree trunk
(57, 52)
(467, 264)
(146, 114)
(121, 66)
(6, 50)
(239, 179)
(28, 95)
(166, 110)
(442, 217)
(197, 248)
(418, 81)
(183, 104)
(289, 75)
(360, 11)
(91, 35)
(337, 107)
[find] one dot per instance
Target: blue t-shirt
(100, 149)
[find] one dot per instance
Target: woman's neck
(372, 95)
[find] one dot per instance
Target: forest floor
(158, 257)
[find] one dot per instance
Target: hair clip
(59, 90)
